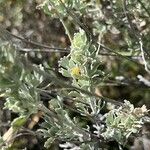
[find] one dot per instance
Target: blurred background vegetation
(109, 25)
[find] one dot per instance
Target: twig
(29, 132)
(27, 50)
(49, 92)
(143, 57)
(62, 21)
(125, 57)
(29, 41)
(66, 29)
(143, 80)
(77, 21)
(67, 50)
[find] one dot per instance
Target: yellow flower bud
(75, 71)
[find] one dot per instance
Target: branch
(60, 82)
(125, 57)
(48, 49)
(143, 56)
(78, 22)
(9, 34)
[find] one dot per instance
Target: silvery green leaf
(64, 72)
(64, 62)
(49, 142)
(110, 118)
(20, 121)
(79, 41)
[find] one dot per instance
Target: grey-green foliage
(82, 67)
(61, 127)
(82, 63)
(10, 72)
(50, 6)
(124, 121)
(17, 83)
(120, 122)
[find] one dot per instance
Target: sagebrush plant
(74, 118)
